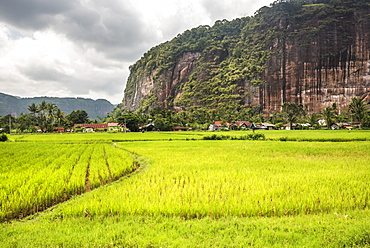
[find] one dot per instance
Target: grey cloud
(42, 73)
(110, 33)
(107, 26)
(33, 14)
(219, 10)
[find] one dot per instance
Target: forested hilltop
(16, 105)
(310, 52)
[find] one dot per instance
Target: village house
(59, 130)
(180, 128)
(147, 128)
(94, 127)
(237, 125)
(116, 127)
(219, 125)
(295, 126)
(265, 126)
(342, 125)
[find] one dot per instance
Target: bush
(3, 137)
(216, 137)
(252, 136)
(256, 136)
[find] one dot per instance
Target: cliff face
(315, 54)
(158, 88)
(318, 71)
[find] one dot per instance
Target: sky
(83, 48)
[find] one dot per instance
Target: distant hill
(17, 105)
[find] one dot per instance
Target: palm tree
(358, 109)
(313, 119)
(328, 114)
(292, 112)
(33, 108)
(59, 116)
(50, 110)
(42, 115)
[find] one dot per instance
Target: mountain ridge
(16, 105)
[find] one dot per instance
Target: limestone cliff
(310, 52)
(323, 60)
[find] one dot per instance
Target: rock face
(331, 69)
(319, 55)
(183, 69)
(162, 86)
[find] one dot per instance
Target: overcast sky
(83, 48)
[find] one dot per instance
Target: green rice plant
(236, 178)
(202, 193)
(35, 176)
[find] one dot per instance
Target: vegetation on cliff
(246, 53)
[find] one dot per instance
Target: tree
(33, 108)
(276, 117)
(42, 115)
(6, 122)
(328, 115)
(26, 122)
(45, 115)
(130, 120)
(292, 112)
(313, 119)
(78, 117)
(51, 110)
(358, 109)
(115, 114)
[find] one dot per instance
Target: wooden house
(180, 128)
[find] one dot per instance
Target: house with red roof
(218, 125)
(237, 125)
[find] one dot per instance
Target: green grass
(223, 193)
(106, 137)
(145, 231)
(296, 135)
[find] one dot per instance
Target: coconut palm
(292, 112)
(358, 109)
(33, 108)
(313, 119)
(328, 115)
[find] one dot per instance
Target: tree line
(45, 116)
(200, 118)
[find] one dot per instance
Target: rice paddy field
(164, 189)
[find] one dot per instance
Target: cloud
(231, 9)
(32, 14)
(50, 64)
(85, 47)
(107, 26)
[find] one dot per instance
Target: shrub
(256, 136)
(252, 136)
(216, 137)
(3, 137)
